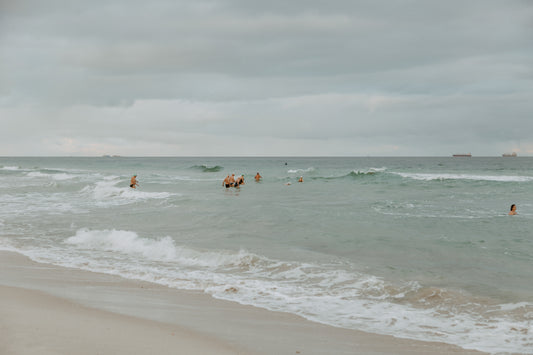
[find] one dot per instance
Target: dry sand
(46, 309)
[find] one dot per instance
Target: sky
(266, 78)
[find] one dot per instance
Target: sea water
(419, 248)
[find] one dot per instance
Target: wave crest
(207, 169)
(124, 242)
(301, 171)
(354, 174)
(447, 176)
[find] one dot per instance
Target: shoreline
(47, 309)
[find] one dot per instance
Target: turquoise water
(420, 248)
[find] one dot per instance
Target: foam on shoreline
(230, 327)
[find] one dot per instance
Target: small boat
(462, 155)
(513, 155)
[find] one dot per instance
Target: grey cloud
(279, 70)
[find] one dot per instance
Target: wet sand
(45, 309)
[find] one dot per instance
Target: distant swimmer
(226, 182)
(232, 180)
(513, 210)
(258, 177)
(134, 183)
(301, 179)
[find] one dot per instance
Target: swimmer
(226, 182)
(513, 210)
(239, 181)
(258, 177)
(134, 183)
(232, 180)
(301, 179)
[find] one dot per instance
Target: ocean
(419, 248)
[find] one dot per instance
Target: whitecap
(106, 192)
(445, 176)
(126, 242)
(300, 171)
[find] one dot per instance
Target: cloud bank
(278, 78)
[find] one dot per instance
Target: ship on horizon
(467, 155)
(513, 155)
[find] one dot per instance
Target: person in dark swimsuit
(226, 182)
(133, 182)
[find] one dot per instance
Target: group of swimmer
(231, 181)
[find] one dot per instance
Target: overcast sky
(277, 77)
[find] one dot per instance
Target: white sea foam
(124, 242)
(36, 174)
(57, 176)
(372, 170)
(110, 177)
(106, 192)
(444, 176)
(301, 171)
(11, 168)
(36, 203)
(513, 306)
(128, 242)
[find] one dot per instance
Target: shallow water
(421, 248)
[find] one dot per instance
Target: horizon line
(257, 156)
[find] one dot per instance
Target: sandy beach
(53, 310)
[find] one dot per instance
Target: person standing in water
(134, 183)
(513, 210)
(239, 181)
(226, 182)
(258, 177)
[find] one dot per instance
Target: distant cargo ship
(463, 155)
(513, 154)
